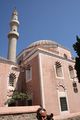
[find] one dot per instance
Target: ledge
(18, 110)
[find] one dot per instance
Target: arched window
(58, 69)
(71, 72)
(12, 77)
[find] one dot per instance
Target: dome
(42, 42)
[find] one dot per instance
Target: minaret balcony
(13, 33)
(16, 22)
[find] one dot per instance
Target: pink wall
(51, 82)
(4, 71)
(14, 110)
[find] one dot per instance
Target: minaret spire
(13, 36)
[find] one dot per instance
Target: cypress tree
(76, 47)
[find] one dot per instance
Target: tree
(18, 96)
(76, 47)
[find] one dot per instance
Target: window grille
(63, 104)
(12, 77)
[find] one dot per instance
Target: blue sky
(57, 20)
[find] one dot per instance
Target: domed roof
(43, 42)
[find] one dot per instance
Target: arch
(61, 88)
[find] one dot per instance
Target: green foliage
(76, 47)
(18, 96)
(10, 101)
(77, 67)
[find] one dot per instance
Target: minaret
(13, 36)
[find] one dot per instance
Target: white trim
(31, 57)
(36, 51)
(41, 82)
(30, 54)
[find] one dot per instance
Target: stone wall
(29, 113)
(29, 116)
(18, 113)
(72, 118)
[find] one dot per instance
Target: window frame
(62, 104)
(63, 94)
(60, 77)
(70, 73)
(29, 69)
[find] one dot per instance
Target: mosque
(45, 69)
